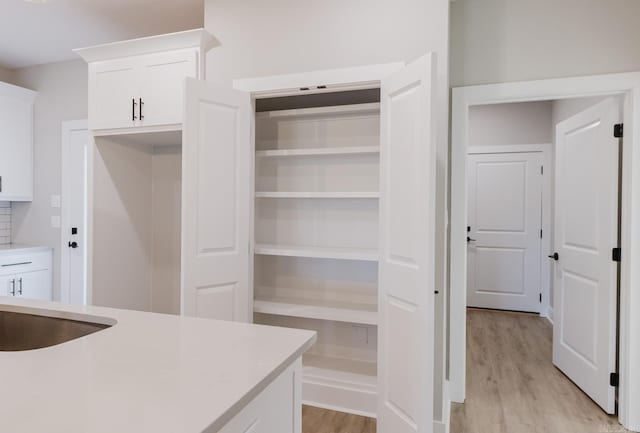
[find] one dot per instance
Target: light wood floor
(316, 420)
(512, 386)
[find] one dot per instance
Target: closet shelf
(310, 194)
(350, 313)
(352, 150)
(331, 111)
(363, 254)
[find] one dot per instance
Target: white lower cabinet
(277, 409)
(26, 276)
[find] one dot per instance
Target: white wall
(6, 75)
(562, 109)
(62, 95)
(510, 124)
(496, 41)
(288, 36)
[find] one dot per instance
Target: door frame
(545, 243)
(623, 84)
(65, 217)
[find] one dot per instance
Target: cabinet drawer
(26, 262)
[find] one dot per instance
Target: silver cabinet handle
(20, 290)
(12, 292)
(16, 264)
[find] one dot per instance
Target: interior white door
(586, 231)
(216, 162)
(407, 247)
(73, 257)
(505, 219)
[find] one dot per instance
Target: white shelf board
(313, 194)
(321, 151)
(350, 313)
(330, 111)
(363, 254)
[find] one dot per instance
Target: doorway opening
(581, 215)
(530, 206)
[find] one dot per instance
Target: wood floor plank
(315, 420)
(512, 385)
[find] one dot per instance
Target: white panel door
(586, 231)
(505, 219)
(162, 87)
(216, 161)
(407, 247)
(73, 258)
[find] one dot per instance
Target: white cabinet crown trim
(198, 38)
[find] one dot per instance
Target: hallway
(512, 386)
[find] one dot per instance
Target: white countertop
(147, 373)
(20, 248)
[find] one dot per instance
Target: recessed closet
(317, 188)
(137, 185)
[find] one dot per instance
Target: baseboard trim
(444, 425)
(549, 314)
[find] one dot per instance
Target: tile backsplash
(5, 222)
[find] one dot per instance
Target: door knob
(73, 244)
(470, 240)
(555, 256)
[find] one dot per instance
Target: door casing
(626, 85)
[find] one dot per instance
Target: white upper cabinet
(139, 84)
(16, 143)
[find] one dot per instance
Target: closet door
(216, 161)
(407, 240)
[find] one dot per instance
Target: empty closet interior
(136, 211)
(317, 164)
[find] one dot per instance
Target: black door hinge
(542, 169)
(541, 234)
(616, 254)
(541, 298)
(618, 130)
(614, 379)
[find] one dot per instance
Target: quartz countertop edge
(9, 249)
(149, 372)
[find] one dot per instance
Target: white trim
(515, 148)
(197, 38)
(67, 128)
(549, 315)
(545, 243)
(444, 426)
(360, 77)
(627, 84)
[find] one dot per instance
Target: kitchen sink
(25, 331)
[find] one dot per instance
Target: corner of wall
(5, 222)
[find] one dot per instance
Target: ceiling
(36, 33)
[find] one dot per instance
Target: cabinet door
(16, 149)
(114, 94)
(7, 285)
(407, 248)
(34, 285)
(216, 179)
(162, 84)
